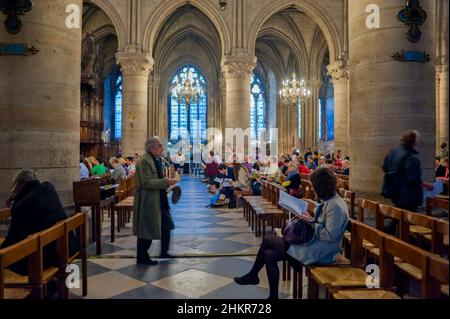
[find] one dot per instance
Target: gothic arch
(115, 18)
(309, 8)
(156, 21)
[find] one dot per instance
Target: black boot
(247, 280)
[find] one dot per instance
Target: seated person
(274, 172)
(293, 181)
(311, 163)
(226, 183)
(98, 168)
(302, 168)
(35, 206)
(346, 167)
(118, 172)
(330, 222)
(439, 167)
(284, 167)
(84, 171)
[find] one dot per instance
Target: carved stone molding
(138, 64)
(238, 66)
(338, 71)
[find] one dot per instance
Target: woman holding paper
(330, 221)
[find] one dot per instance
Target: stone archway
(115, 19)
(156, 21)
(309, 8)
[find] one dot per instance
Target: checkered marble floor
(211, 245)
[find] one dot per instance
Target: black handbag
(300, 231)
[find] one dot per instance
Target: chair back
(29, 247)
(367, 207)
(387, 212)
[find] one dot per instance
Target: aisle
(211, 245)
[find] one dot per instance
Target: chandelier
(294, 91)
(188, 90)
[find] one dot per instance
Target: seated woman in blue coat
(331, 218)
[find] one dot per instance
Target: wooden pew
(55, 234)
(367, 207)
(333, 277)
(437, 278)
(27, 248)
(77, 224)
(434, 202)
(417, 258)
(307, 191)
(439, 237)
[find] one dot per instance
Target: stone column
(442, 85)
(135, 69)
(237, 71)
(154, 108)
(443, 104)
(388, 97)
(40, 100)
(339, 74)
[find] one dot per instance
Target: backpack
(392, 177)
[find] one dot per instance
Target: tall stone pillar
(442, 85)
(154, 108)
(339, 74)
(135, 69)
(40, 100)
(388, 97)
(237, 71)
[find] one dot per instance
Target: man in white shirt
(84, 172)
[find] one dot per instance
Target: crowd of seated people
(118, 167)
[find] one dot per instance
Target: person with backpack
(403, 174)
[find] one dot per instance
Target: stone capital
(135, 64)
(238, 66)
(338, 70)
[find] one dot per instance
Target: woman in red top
(302, 169)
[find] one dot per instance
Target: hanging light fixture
(188, 90)
(294, 91)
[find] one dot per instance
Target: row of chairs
(34, 285)
(422, 230)
(438, 231)
(260, 210)
(349, 280)
(125, 201)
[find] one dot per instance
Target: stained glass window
(191, 118)
(257, 107)
(118, 109)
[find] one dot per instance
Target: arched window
(191, 118)
(257, 107)
(118, 99)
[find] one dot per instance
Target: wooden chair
(57, 235)
(434, 202)
(27, 248)
(412, 258)
(439, 237)
(333, 277)
(350, 198)
(343, 184)
(367, 207)
(77, 224)
(307, 191)
(437, 279)
(414, 228)
(87, 193)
